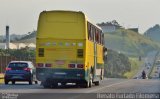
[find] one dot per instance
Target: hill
(129, 42)
(123, 41)
(116, 65)
(28, 38)
(153, 33)
(13, 37)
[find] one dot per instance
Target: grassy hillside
(130, 42)
(116, 65)
(153, 33)
(29, 38)
(135, 66)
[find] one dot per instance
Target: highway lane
(134, 86)
(23, 87)
(110, 85)
(147, 65)
(156, 70)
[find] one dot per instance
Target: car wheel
(30, 82)
(6, 82)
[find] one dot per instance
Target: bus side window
(89, 32)
(97, 36)
(93, 33)
(103, 39)
(100, 37)
(105, 50)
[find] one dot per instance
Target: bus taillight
(71, 65)
(48, 65)
(39, 64)
(80, 65)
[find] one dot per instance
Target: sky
(22, 15)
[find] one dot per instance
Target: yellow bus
(69, 49)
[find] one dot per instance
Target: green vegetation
(18, 53)
(116, 65)
(153, 33)
(29, 38)
(130, 43)
(15, 55)
(135, 66)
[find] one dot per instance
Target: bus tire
(90, 80)
(63, 84)
(46, 86)
(88, 84)
(97, 83)
(54, 85)
(47, 83)
(13, 82)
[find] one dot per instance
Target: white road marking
(94, 90)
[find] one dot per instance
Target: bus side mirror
(105, 52)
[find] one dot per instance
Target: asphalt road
(109, 88)
(26, 91)
(156, 70)
(148, 63)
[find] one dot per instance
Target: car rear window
(18, 65)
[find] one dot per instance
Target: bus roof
(93, 23)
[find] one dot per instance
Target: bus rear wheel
(47, 83)
(88, 84)
(97, 83)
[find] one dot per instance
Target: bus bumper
(61, 75)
